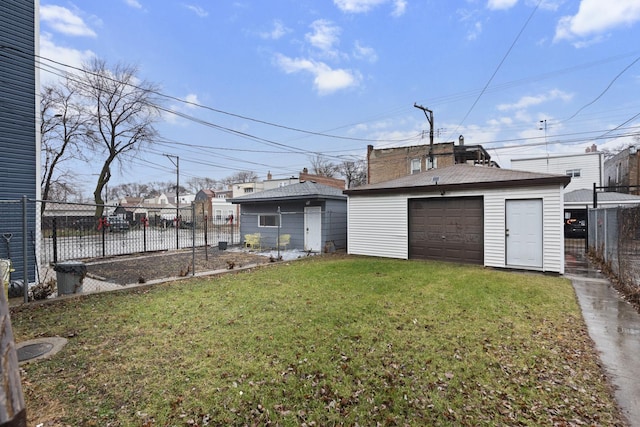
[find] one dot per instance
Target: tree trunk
(13, 412)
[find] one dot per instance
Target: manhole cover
(32, 351)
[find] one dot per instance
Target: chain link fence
(73, 232)
(35, 237)
(614, 239)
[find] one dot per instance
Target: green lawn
(323, 341)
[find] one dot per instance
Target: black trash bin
(70, 275)
(222, 246)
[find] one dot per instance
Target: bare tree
(242, 176)
(321, 166)
(132, 189)
(123, 111)
(64, 131)
(354, 172)
(196, 184)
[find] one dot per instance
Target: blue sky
(348, 72)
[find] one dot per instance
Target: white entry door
(313, 228)
(523, 233)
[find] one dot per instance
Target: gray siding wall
(18, 139)
(334, 222)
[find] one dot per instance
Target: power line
(606, 89)
(504, 58)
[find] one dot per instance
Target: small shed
(312, 215)
(462, 213)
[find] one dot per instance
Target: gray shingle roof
(586, 196)
(463, 176)
(303, 190)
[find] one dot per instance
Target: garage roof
(461, 176)
(585, 197)
(304, 190)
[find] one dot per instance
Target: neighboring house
(585, 169)
(67, 215)
(340, 184)
(271, 183)
(244, 188)
(19, 132)
(577, 202)
(158, 210)
(203, 203)
(312, 214)
(390, 163)
(471, 214)
(214, 204)
(623, 171)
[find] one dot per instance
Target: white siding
(378, 225)
(591, 168)
(552, 226)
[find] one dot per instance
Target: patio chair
(252, 241)
(285, 240)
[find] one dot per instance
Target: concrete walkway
(614, 326)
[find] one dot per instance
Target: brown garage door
(447, 229)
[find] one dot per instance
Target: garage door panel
(447, 229)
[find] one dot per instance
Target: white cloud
(501, 4)
(64, 55)
(400, 7)
(595, 17)
(278, 31)
(197, 10)
(133, 3)
(364, 52)
(528, 101)
(191, 99)
(475, 31)
(65, 21)
(362, 6)
(324, 36)
(326, 80)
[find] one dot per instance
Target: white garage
(470, 214)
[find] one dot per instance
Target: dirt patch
(146, 267)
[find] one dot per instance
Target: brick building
(623, 170)
(385, 164)
(331, 182)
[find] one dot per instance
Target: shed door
(313, 228)
(524, 232)
(447, 229)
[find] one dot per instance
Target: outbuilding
(462, 213)
(312, 216)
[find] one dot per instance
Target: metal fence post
(54, 239)
(144, 221)
(193, 239)
(25, 252)
(104, 227)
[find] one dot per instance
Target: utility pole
(177, 165)
(429, 115)
(543, 125)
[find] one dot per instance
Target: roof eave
(533, 182)
(239, 200)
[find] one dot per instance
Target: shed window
(573, 172)
(415, 166)
(268, 221)
(248, 190)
